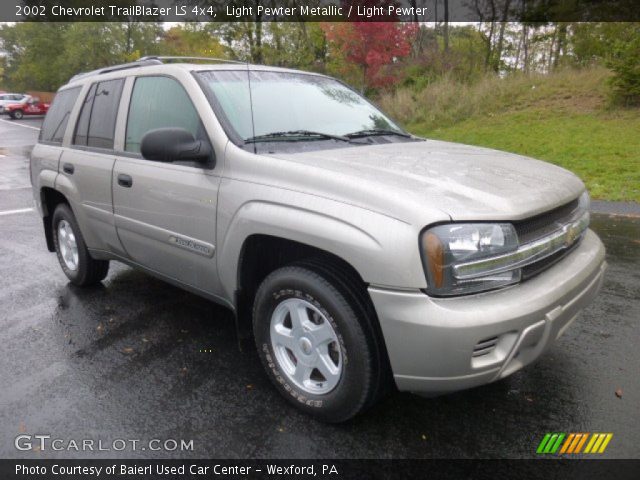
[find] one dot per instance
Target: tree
(295, 44)
(191, 39)
(625, 64)
(31, 53)
(43, 56)
(446, 25)
(370, 46)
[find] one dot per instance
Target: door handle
(125, 180)
(68, 168)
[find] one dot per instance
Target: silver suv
(360, 258)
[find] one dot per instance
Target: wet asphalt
(136, 358)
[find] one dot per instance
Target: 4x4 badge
(188, 244)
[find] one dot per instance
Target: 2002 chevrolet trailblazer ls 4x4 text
(359, 257)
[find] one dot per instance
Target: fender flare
(315, 229)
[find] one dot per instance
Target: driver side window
(159, 102)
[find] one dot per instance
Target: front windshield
(291, 102)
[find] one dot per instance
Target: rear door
(46, 153)
(165, 213)
(88, 164)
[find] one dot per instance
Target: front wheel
(314, 344)
(16, 114)
(76, 262)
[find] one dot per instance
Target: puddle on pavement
(620, 235)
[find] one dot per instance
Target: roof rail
(150, 60)
(123, 66)
(165, 59)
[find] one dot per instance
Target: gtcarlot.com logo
(572, 443)
(41, 443)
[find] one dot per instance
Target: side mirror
(174, 144)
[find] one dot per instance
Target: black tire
(356, 293)
(89, 271)
(358, 383)
(17, 114)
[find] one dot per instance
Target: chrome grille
(541, 225)
(541, 265)
(534, 228)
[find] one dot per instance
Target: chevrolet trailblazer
(359, 257)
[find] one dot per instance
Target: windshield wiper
(294, 135)
(371, 132)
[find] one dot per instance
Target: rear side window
(159, 102)
(82, 127)
(55, 122)
(97, 123)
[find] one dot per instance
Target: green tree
(295, 44)
(90, 45)
(625, 64)
(596, 42)
(43, 56)
(31, 53)
(192, 39)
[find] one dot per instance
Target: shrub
(625, 64)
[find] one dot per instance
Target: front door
(165, 213)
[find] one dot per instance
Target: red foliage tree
(371, 46)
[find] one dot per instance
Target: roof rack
(123, 66)
(151, 60)
(166, 59)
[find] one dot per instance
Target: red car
(26, 106)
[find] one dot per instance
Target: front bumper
(431, 341)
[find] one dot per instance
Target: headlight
(445, 246)
(462, 258)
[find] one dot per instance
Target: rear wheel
(314, 344)
(76, 262)
(16, 114)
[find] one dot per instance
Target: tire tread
(90, 270)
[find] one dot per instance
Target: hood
(407, 180)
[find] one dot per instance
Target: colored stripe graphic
(582, 442)
(593, 439)
(598, 443)
(605, 442)
(550, 443)
(543, 443)
(573, 443)
(568, 442)
(555, 447)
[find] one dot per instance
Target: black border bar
(534, 11)
(321, 469)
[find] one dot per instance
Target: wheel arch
(323, 230)
(50, 198)
(262, 254)
(277, 252)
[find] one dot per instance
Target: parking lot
(139, 359)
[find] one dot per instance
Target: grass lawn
(603, 149)
(563, 118)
